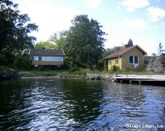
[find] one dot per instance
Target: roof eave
(113, 57)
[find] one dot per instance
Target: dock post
(130, 81)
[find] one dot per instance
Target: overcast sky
(141, 20)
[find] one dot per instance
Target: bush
(22, 62)
(139, 68)
(162, 59)
(100, 65)
(3, 60)
(73, 69)
(115, 68)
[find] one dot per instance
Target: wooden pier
(141, 79)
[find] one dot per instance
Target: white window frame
(36, 58)
(52, 58)
(133, 59)
(137, 60)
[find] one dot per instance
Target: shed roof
(47, 52)
(123, 51)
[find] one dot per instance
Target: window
(131, 59)
(36, 58)
(136, 60)
(116, 60)
(52, 58)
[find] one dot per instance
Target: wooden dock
(141, 79)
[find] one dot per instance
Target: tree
(160, 49)
(84, 42)
(22, 62)
(14, 30)
(45, 45)
(59, 39)
(130, 42)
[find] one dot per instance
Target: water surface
(80, 104)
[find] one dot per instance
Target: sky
(143, 21)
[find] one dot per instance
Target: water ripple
(79, 105)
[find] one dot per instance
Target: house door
(135, 61)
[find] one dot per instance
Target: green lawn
(67, 73)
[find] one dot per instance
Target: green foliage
(14, 32)
(140, 68)
(56, 41)
(3, 60)
(22, 62)
(6, 59)
(100, 66)
(114, 49)
(162, 59)
(106, 52)
(73, 69)
(84, 42)
(115, 68)
(160, 49)
(59, 39)
(45, 45)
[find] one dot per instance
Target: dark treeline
(15, 41)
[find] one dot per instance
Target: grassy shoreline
(66, 74)
(80, 74)
(34, 73)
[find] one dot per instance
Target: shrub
(3, 60)
(22, 62)
(115, 68)
(73, 69)
(139, 68)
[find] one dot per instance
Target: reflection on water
(79, 104)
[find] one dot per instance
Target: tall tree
(59, 39)
(160, 49)
(84, 42)
(130, 42)
(45, 45)
(14, 30)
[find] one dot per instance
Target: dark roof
(123, 51)
(47, 52)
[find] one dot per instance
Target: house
(47, 57)
(128, 57)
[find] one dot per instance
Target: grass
(62, 73)
(78, 73)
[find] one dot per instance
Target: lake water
(49, 105)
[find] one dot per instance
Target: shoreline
(149, 79)
(98, 76)
(88, 76)
(157, 80)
